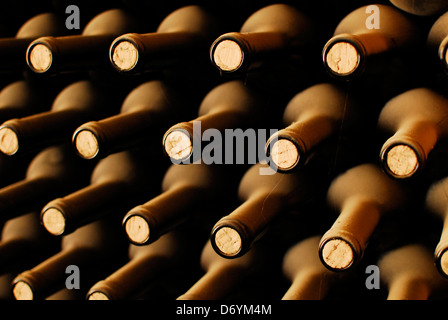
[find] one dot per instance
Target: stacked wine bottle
(196, 151)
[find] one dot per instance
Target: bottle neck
(409, 287)
(217, 283)
(308, 285)
(131, 278)
(27, 195)
(65, 215)
(117, 133)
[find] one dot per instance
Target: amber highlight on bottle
(51, 173)
(76, 104)
(93, 248)
(437, 41)
(310, 279)
(346, 55)
(230, 105)
(421, 7)
(186, 193)
(86, 51)
(181, 38)
(416, 121)
(118, 182)
(437, 204)
(222, 276)
(146, 110)
(311, 116)
(13, 50)
(362, 195)
(22, 98)
(409, 273)
(24, 242)
(145, 265)
(273, 32)
(263, 198)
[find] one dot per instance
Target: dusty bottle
(421, 7)
(362, 195)
(409, 273)
(312, 116)
(146, 264)
(186, 192)
(264, 195)
(94, 249)
(144, 114)
(24, 243)
(229, 105)
(12, 50)
(222, 276)
(416, 121)
(51, 173)
(361, 36)
(276, 31)
(436, 203)
(310, 279)
(437, 42)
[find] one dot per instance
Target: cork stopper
(40, 58)
(124, 55)
(228, 241)
(22, 291)
(401, 160)
(178, 145)
(54, 221)
(97, 296)
(284, 154)
(227, 55)
(337, 254)
(9, 142)
(137, 229)
(86, 144)
(446, 57)
(443, 260)
(342, 58)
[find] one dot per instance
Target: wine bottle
(222, 276)
(436, 204)
(77, 103)
(51, 173)
(23, 98)
(415, 119)
(229, 105)
(94, 249)
(362, 195)
(409, 273)
(313, 115)
(146, 264)
(118, 182)
(276, 31)
(144, 114)
(263, 198)
(24, 243)
(355, 42)
(87, 51)
(181, 38)
(310, 280)
(437, 43)
(13, 49)
(421, 7)
(187, 191)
